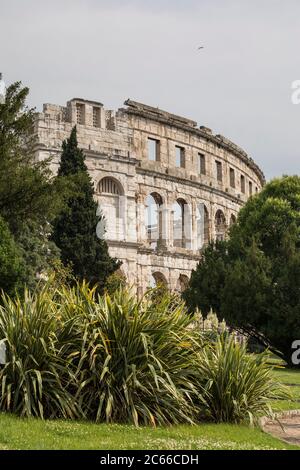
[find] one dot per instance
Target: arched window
(112, 207)
(157, 279)
(109, 186)
(220, 225)
(202, 219)
(153, 219)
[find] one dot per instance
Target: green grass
(291, 378)
(17, 433)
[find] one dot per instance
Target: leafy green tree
(28, 190)
(30, 196)
(75, 228)
(247, 291)
(11, 262)
(258, 269)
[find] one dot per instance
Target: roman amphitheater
(164, 185)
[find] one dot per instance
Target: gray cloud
(239, 84)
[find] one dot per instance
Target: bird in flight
(200, 47)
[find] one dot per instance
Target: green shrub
(235, 386)
(73, 354)
(115, 281)
(36, 378)
(136, 362)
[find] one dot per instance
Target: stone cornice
(195, 184)
(172, 254)
(141, 249)
(82, 100)
(114, 157)
(123, 244)
(92, 154)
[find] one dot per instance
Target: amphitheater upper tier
(164, 185)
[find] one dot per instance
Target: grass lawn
(17, 433)
(291, 378)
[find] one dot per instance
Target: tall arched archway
(153, 219)
(158, 279)
(220, 225)
(112, 207)
(181, 224)
(202, 219)
(178, 224)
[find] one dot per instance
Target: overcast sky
(239, 84)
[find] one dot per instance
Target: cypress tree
(72, 158)
(75, 228)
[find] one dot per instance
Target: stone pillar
(174, 275)
(140, 218)
(130, 221)
(123, 219)
(188, 226)
(194, 231)
(170, 228)
(165, 216)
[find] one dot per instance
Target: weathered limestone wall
(116, 147)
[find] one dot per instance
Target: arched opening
(112, 207)
(181, 222)
(182, 282)
(153, 219)
(157, 279)
(220, 225)
(202, 220)
(109, 185)
(232, 220)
